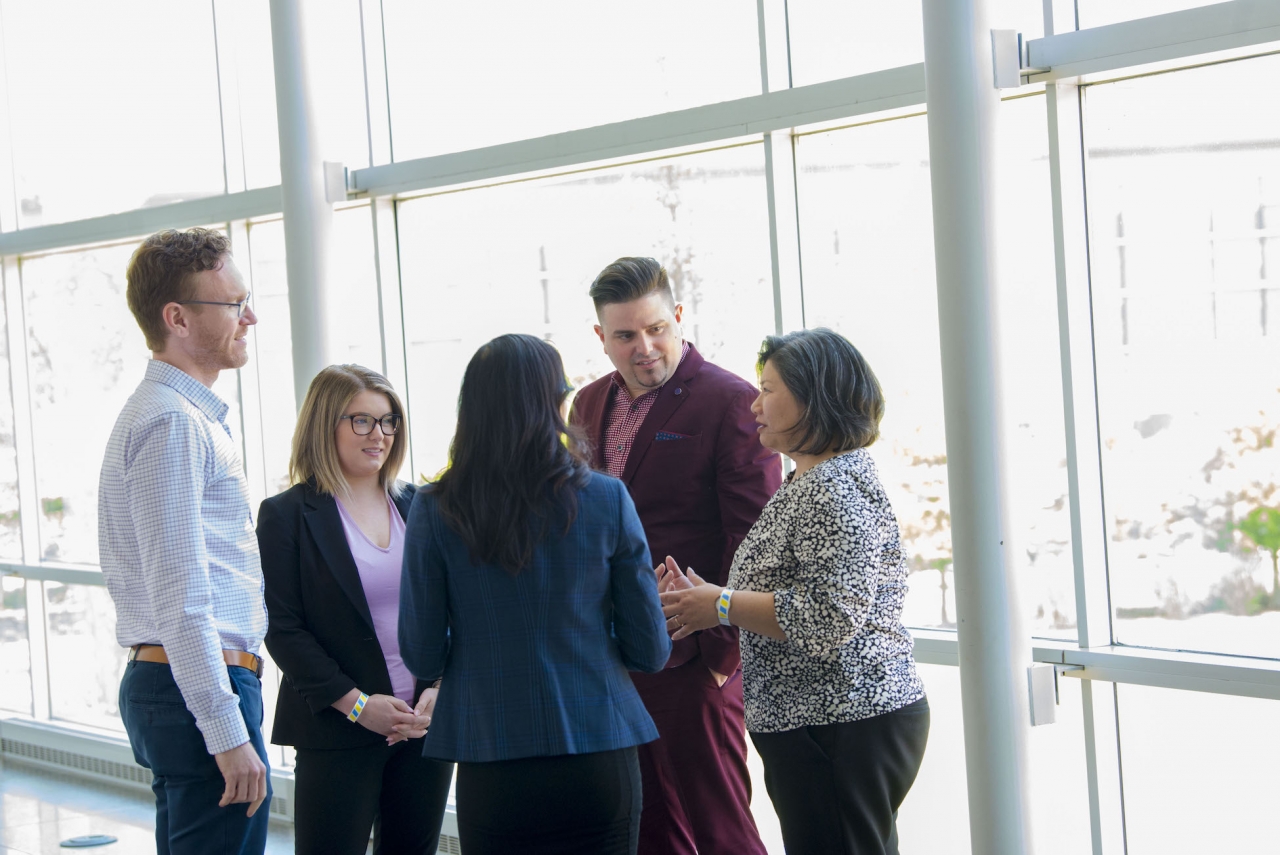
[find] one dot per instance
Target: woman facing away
(834, 704)
(331, 551)
(528, 587)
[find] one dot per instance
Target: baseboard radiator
(108, 759)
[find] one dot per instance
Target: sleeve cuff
(782, 609)
(719, 650)
(224, 732)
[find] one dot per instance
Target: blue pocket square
(664, 435)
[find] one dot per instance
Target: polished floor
(39, 809)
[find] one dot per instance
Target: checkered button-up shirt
(626, 414)
(177, 545)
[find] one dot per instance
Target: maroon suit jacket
(700, 487)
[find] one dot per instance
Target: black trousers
(837, 787)
(340, 794)
(570, 803)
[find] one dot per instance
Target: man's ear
(599, 332)
(679, 311)
(176, 320)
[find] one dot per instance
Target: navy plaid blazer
(535, 664)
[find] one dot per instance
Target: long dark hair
(515, 466)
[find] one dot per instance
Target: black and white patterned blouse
(827, 545)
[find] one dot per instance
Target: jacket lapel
(599, 420)
(405, 500)
(673, 395)
(325, 526)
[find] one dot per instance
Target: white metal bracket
(1042, 688)
(335, 182)
(1009, 59)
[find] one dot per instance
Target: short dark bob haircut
(840, 399)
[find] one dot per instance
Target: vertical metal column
(780, 173)
(386, 240)
(308, 216)
(994, 651)
(1084, 444)
(11, 294)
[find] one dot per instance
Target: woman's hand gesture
(421, 718)
(688, 601)
(383, 713)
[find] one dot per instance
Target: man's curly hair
(161, 272)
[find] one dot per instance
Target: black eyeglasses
(240, 307)
(362, 423)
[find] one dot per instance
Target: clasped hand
(396, 720)
(688, 600)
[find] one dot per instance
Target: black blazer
(319, 629)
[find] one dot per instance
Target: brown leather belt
(155, 653)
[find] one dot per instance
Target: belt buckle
(258, 665)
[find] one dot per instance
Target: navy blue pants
(186, 779)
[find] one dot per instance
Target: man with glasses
(179, 555)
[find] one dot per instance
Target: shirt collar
(188, 387)
(619, 383)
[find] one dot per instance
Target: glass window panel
(15, 650)
(1095, 13)
(1199, 771)
(333, 29)
(336, 54)
(1058, 778)
(354, 323)
(1184, 191)
(10, 517)
(112, 106)
(252, 70)
(831, 39)
(353, 281)
(519, 258)
(867, 243)
(85, 660)
(542, 68)
(273, 350)
(935, 816)
(85, 356)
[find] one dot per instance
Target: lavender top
(380, 576)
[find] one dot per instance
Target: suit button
(677, 390)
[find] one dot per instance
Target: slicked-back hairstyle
(161, 272)
(515, 466)
(315, 453)
(630, 279)
(840, 399)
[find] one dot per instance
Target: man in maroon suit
(680, 433)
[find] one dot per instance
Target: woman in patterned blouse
(833, 702)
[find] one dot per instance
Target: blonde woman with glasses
(331, 552)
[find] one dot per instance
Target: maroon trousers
(697, 790)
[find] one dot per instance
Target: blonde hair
(315, 455)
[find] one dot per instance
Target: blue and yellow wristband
(358, 708)
(722, 606)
